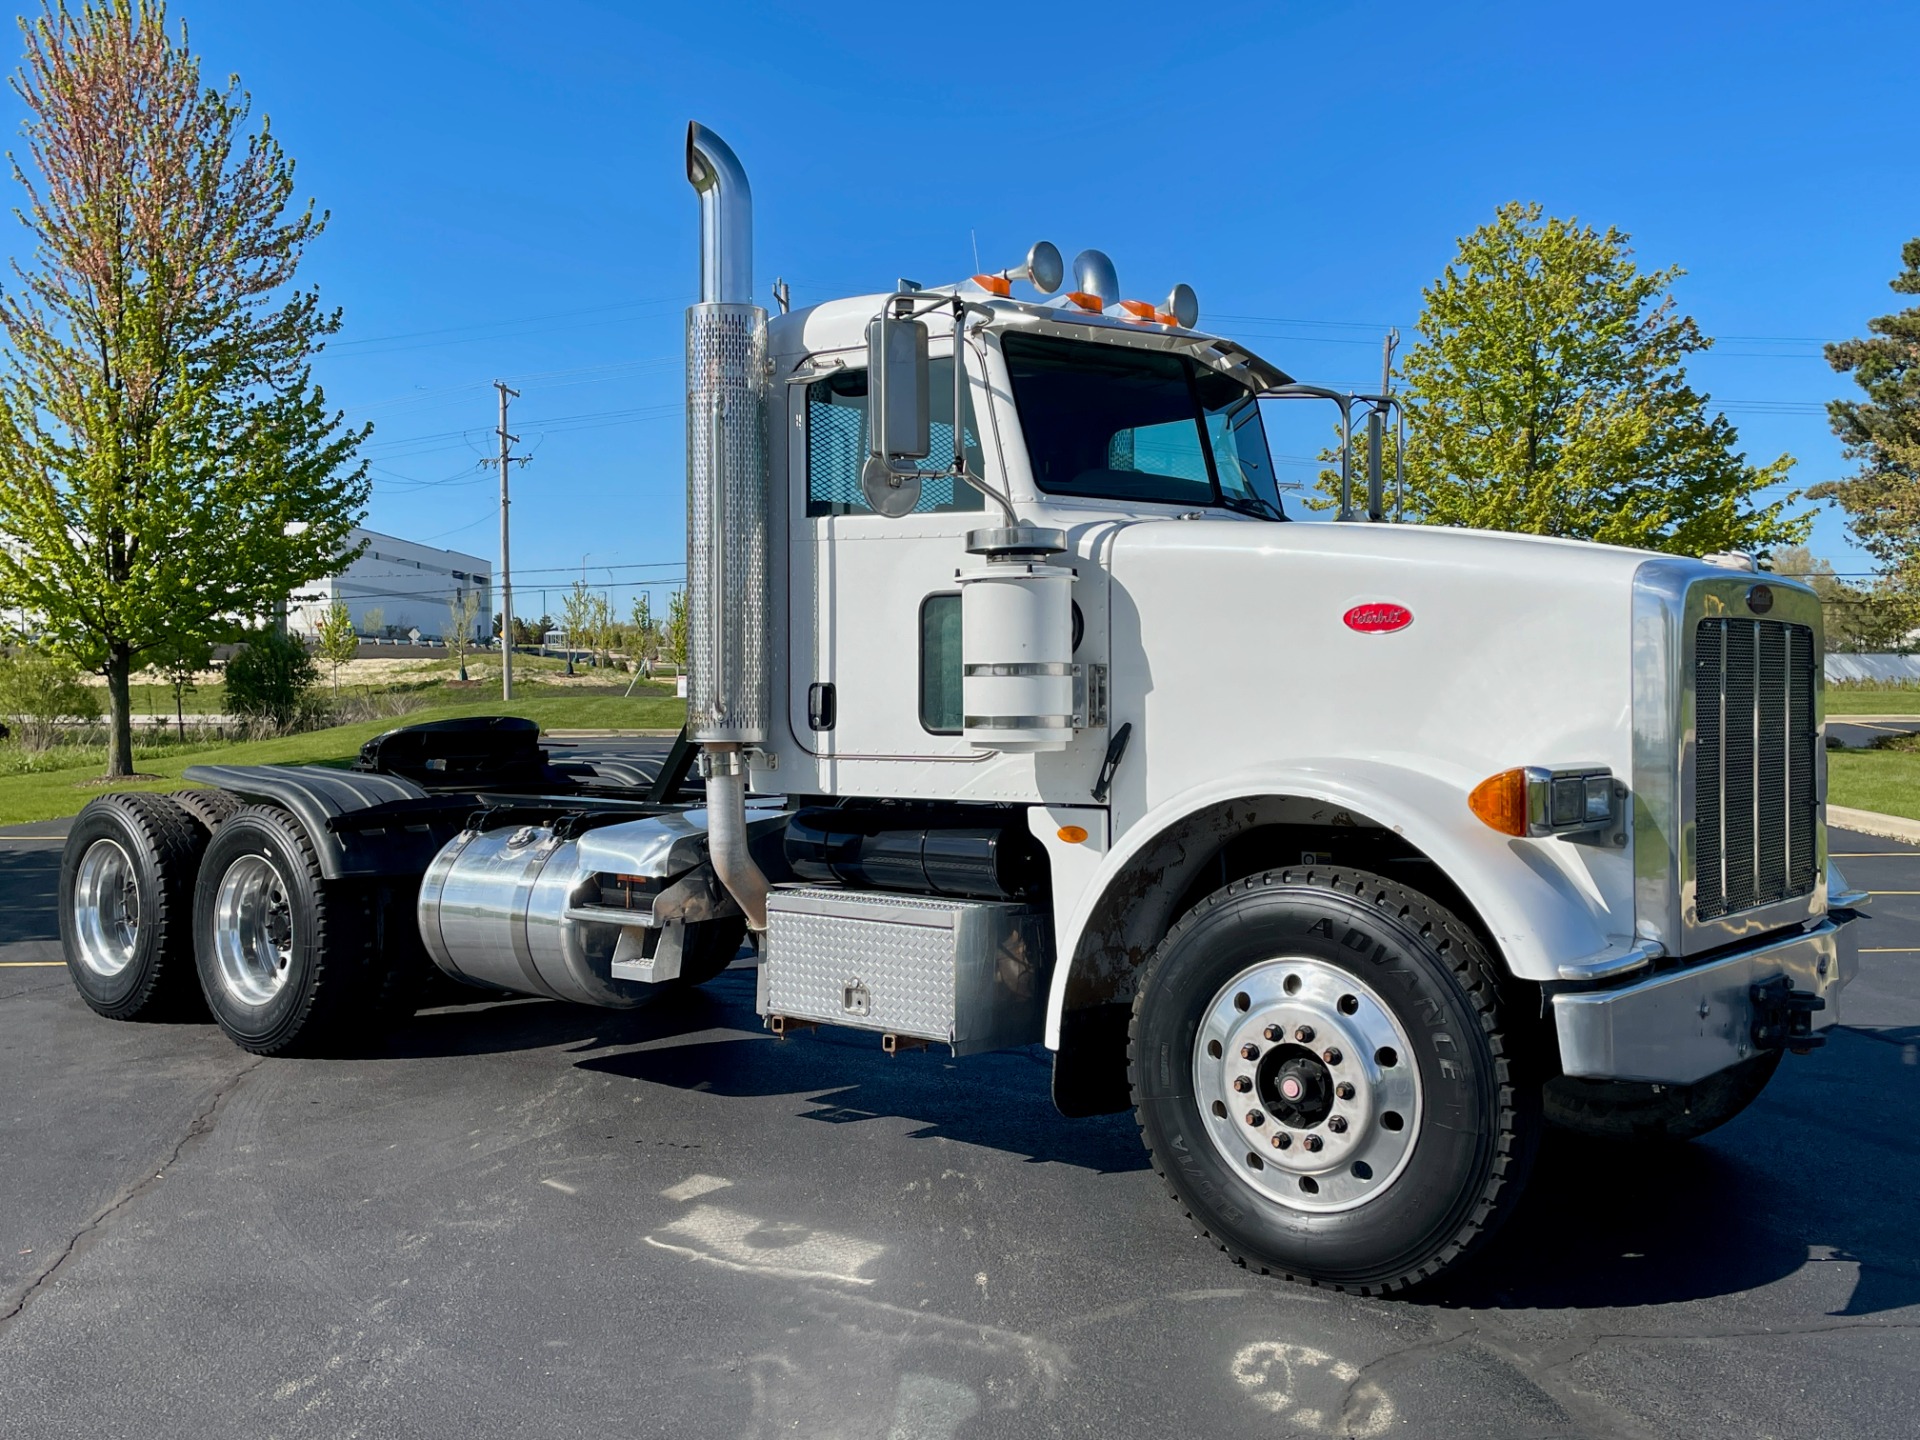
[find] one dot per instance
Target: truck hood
(1516, 649)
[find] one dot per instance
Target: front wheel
(1322, 1075)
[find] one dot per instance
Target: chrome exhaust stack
(727, 512)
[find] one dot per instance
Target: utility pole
(506, 562)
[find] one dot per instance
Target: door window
(838, 437)
(940, 668)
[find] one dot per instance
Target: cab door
(875, 622)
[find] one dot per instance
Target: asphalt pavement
(1857, 732)
(526, 1219)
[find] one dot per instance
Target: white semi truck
(1348, 855)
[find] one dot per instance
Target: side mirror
(899, 412)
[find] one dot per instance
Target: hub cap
(1307, 1084)
(253, 930)
(106, 908)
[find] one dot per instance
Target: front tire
(1323, 1077)
(289, 962)
(126, 906)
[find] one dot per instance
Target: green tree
(1858, 619)
(165, 457)
(677, 630)
(338, 641)
(462, 611)
(1882, 432)
(183, 656)
(1546, 394)
(646, 634)
(40, 693)
(576, 619)
(268, 680)
(374, 618)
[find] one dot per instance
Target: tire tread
(1472, 968)
(170, 835)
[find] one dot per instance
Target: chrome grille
(1755, 744)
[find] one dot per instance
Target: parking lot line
(1866, 854)
(30, 964)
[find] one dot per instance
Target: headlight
(1532, 800)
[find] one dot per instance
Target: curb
(1870, 822)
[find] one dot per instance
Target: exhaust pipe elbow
(727, 833)
(726, 218)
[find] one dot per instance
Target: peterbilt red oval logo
(1378, 617)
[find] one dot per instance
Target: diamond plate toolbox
(969, 973)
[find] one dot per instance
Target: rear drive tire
(1323, 1077)
(1629, 1110)
(711, 946)
(288, 961)
(126, 907)
(211, 808)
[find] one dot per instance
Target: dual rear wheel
(174, 906)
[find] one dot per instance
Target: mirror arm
(961, 310)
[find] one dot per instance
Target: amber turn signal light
(1073, 834)
(1501, 801)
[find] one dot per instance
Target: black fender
(361, 825)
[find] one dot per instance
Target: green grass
(1881, 700)
(48, 793)
(1882, 780)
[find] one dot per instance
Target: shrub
(267, 681)
(38, 693)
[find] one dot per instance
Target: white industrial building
(411, 586)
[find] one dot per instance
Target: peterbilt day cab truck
(1348, 855)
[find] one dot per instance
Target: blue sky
(508, 199)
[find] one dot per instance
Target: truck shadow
(1779, 1191)
(1776, 1192)
(1001, 1101)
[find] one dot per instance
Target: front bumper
(1688, 1024)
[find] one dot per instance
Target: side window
(837, 439)
(940, 710)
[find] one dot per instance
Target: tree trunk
(119, 713)
(180, 709)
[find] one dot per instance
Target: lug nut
(1312, 1142)
(1304, 1034)
(1242, 1084)
(1338, 1124)
(1281, 1140)
(1249, 1051)
(1331, 1056)
(1343, 1090)
(1274, 1034)
(1254, 1117)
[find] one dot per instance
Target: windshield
(1118, 424)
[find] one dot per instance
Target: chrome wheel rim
(253, 932)
(1307, 1084)
(106, 908)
